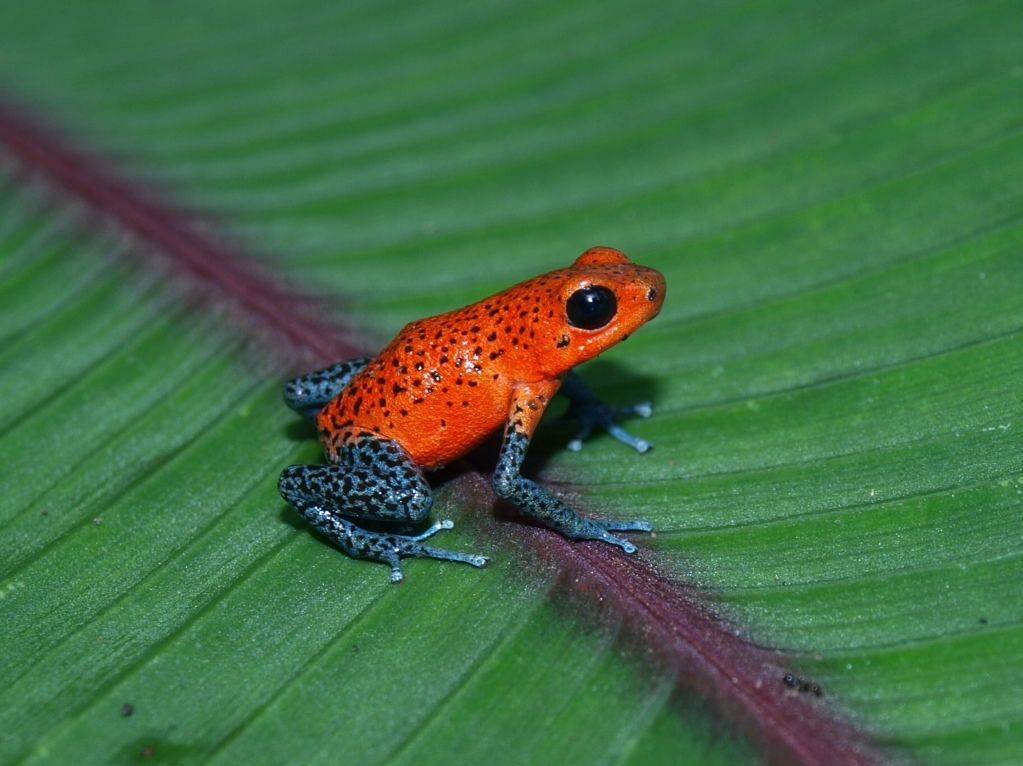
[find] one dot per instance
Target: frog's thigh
(374, 479)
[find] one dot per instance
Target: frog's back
(446, 383)
(438, 389)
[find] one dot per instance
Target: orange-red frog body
(445, 384)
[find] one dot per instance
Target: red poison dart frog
(445, 384)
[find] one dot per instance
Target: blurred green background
(833, 191)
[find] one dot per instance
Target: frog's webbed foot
(593, 414)
(397, 547)
(386, 548)
(594, 529)
(597, 415)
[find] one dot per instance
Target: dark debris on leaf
(802, 686)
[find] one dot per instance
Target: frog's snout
(655, 286)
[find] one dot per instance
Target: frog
(446, 384)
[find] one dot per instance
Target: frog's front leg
(593, 413)
(528, 405)
(308, 394)
(374, 479)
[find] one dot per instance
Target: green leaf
(833, 193)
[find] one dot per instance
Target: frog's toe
(595, 530)
(585, 429)
(439, 526)
(603, 417)
(636, 525)
(393, 559)
(425, 551)
(643, 410)
(625, 545)
(619, 433)
(412, 548)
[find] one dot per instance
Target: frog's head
(598, 301)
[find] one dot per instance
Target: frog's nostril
(651, 294)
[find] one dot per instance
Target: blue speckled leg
(373, 480)
(537, 502)
(309, 393)
(592, 413)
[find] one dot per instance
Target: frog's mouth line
(672, 619)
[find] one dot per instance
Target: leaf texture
(833, 193)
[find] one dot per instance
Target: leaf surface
(833, 193)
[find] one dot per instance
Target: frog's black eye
(591, 307)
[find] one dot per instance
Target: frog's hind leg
(374, 479)
(308, 394)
